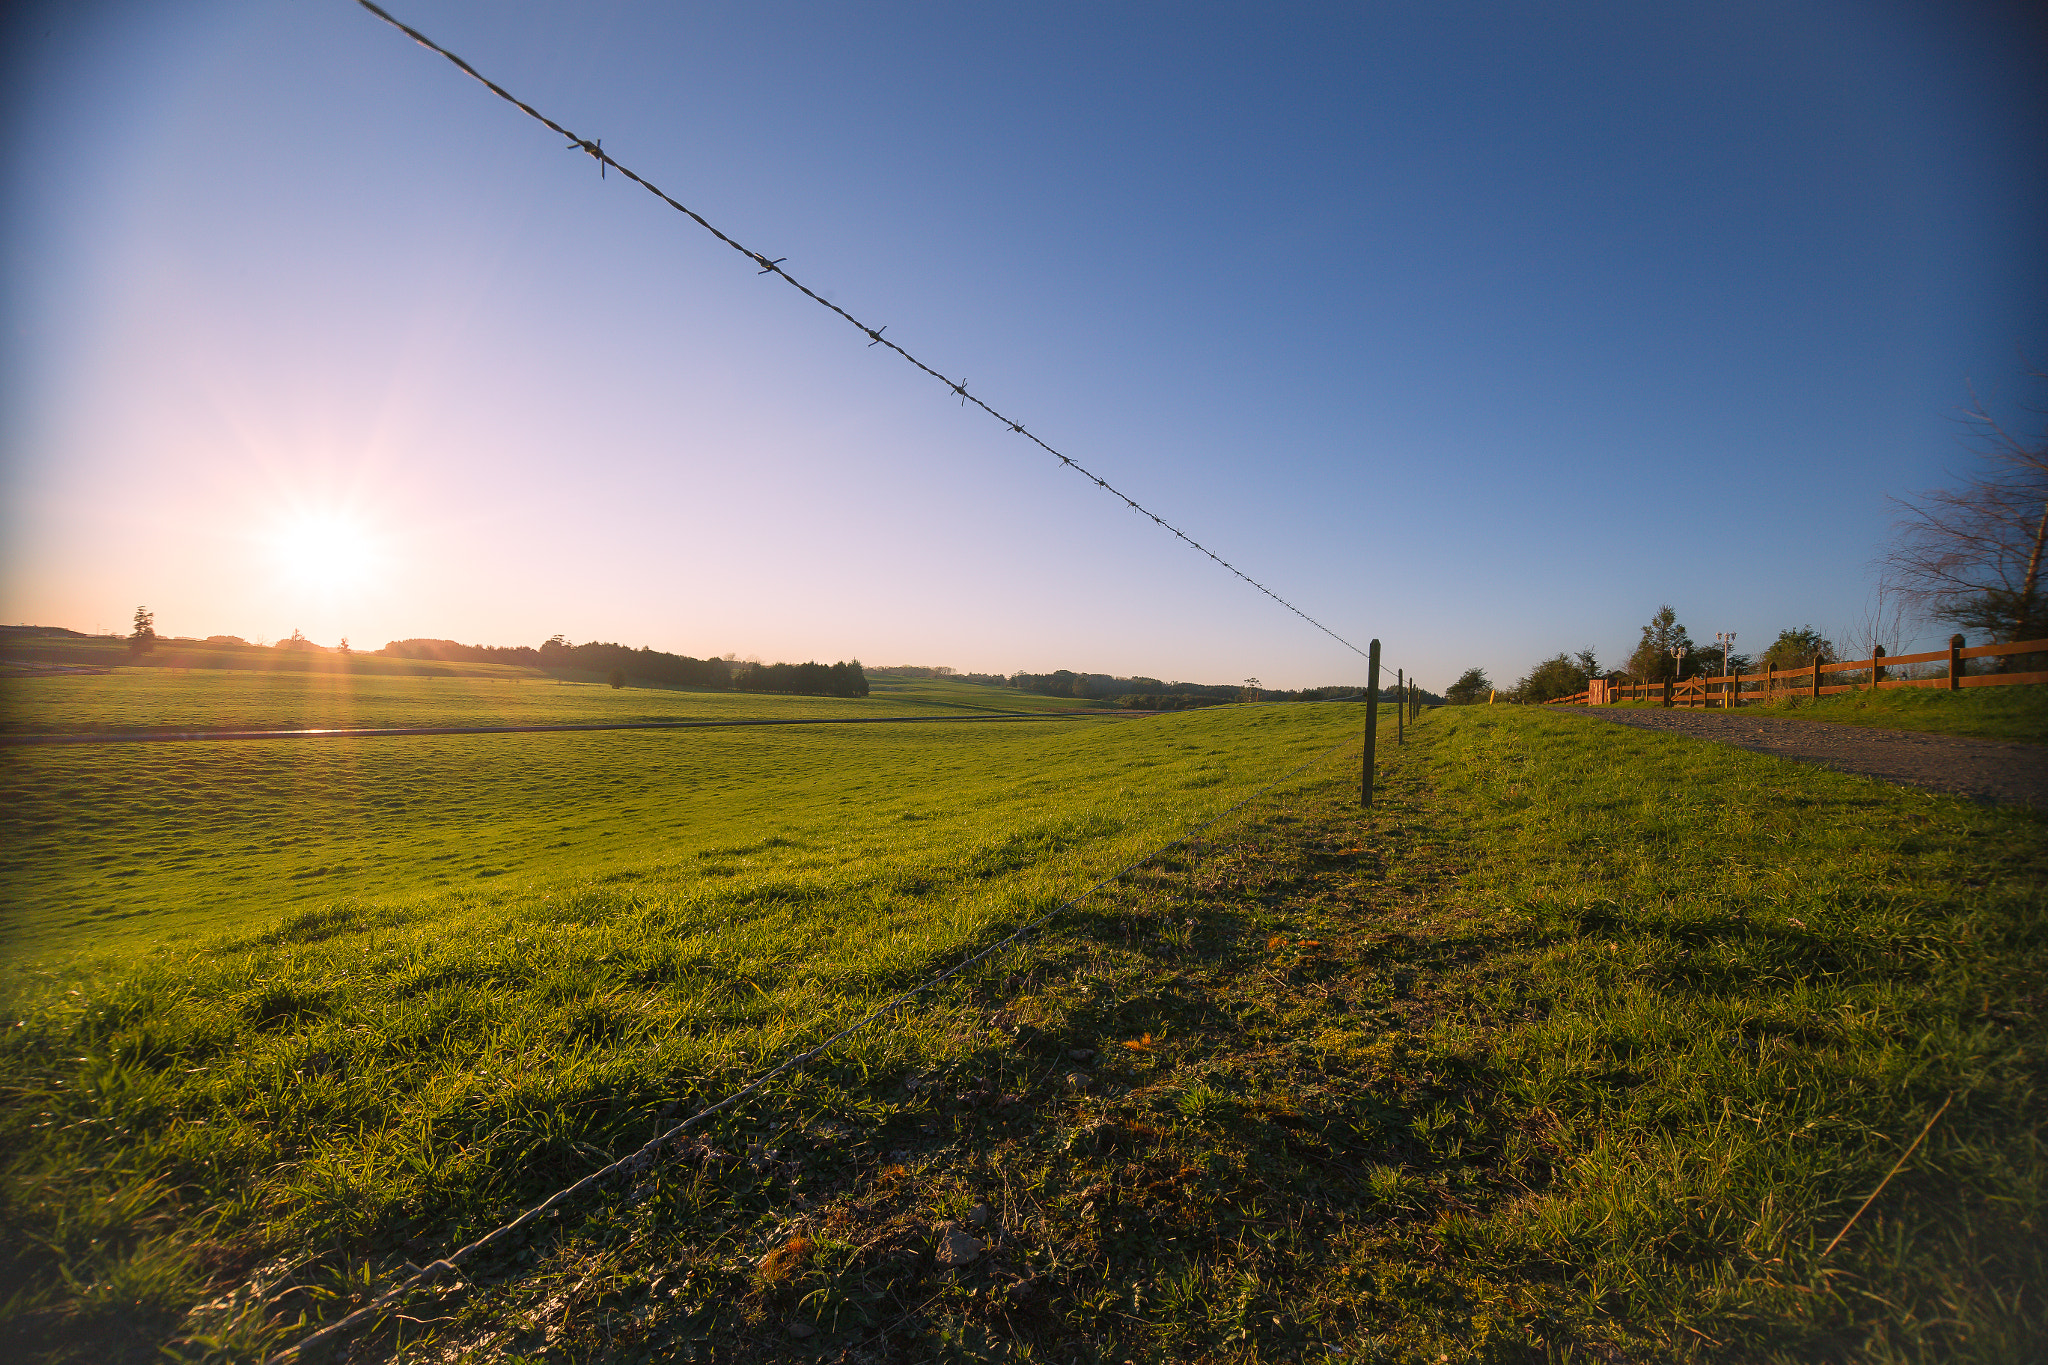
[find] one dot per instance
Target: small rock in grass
(1077, 1080)
(1082, 1054)
(979, 1215)
(957, 1246)
(800, 1330)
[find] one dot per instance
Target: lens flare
(327, 552)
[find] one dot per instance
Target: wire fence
(646, 1157)
(594, 148)
(649, 1154)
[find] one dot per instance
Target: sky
(1484, 330)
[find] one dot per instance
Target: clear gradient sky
(1484, 329)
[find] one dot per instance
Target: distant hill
(592, 661)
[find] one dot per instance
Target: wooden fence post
(1955, 663)
(1400, 708)
(1876, 666)
(1667, 693)
(1816, 675)
(1732, 698)
(1372, 719)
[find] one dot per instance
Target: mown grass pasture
(144, 699)
(1586, 1043)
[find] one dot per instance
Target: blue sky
(1482, 329)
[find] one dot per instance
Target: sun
(325, 551)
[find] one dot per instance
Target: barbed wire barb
(768, 267)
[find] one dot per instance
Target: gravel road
(1989, 771)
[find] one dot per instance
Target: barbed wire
(643, 1160)
(594, 148)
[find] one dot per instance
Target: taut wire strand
(594, 148)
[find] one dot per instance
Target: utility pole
(1678, 654)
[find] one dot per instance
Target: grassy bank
(1584, 1045)
(2014, 713)
(2010, 713)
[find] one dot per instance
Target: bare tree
(1883, 627)
(1971, 554)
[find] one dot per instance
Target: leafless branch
(1972, 552)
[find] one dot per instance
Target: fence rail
(1734, 689)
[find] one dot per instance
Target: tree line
(804, 680)
(1664, 650)
(621, 664)
(1968, 556)
(1140, 693)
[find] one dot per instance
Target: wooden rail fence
(1734, 689)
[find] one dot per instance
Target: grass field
(155, 698)
(1584, 1045)
(754, 878)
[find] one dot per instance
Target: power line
(594, 148)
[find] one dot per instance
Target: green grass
(1582, 1046)
(151, 698)
(199, 686)
(973, 696)
(744, 892)
(2014, 713)
(139, 841)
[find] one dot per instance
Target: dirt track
(1990, 771)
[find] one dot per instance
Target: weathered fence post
(1955, 663)
(1731, 697)
(1667, 693)
(1400, 708)
(1372, 718)
(1876, 667)
(1816, 675)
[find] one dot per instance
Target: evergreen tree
(1652, 660)
(143, 639)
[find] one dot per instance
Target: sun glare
(327, 552)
